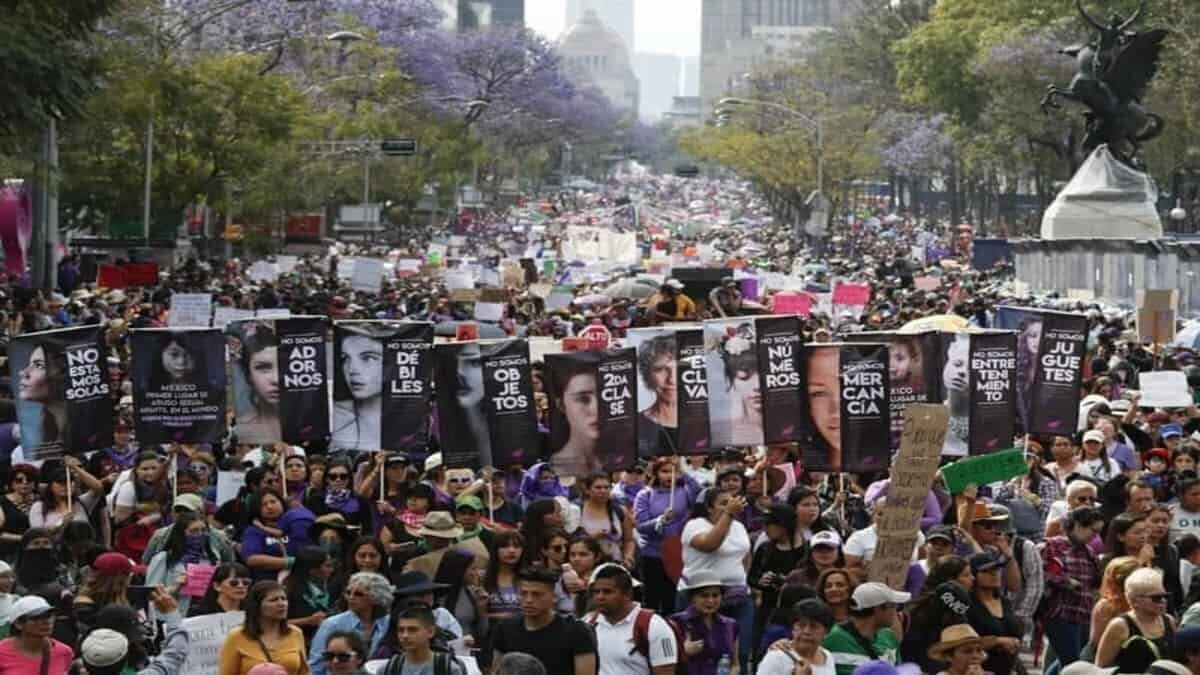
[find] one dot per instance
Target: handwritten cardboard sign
(190, 310)
(1156, 315)
(912, 474)
(205, 635)
(984, 469)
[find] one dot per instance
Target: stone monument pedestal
(1105, 199)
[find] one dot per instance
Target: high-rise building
(474, 14)
(616, 14)
(737, 34)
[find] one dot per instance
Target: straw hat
(954, 637)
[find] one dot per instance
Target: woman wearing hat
(811, 621)
(715, 541)
(31, 649)
(962, 650)
(991, 614)
(708, 636)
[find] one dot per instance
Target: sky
(661, 26)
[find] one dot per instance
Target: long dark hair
(351, 567)
(705, 501)
(229, 570)
(159, 377)
(308, 560)
(534, 527)
(256, 502)
(1117, 527)
(253, 625)
(177, 538)
(501, 540)
(927, 608)
(557, 378)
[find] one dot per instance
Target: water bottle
(725, 666)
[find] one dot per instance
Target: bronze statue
(1112, 73)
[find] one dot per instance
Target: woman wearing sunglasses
(226, 592)
(368, 598)
(338, 497)
(14, 509)
(344, 654)
(1144, 634)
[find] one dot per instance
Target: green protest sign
(984, 469)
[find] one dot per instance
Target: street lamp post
(813, 123)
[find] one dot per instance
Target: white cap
(609, 565)
(874, 594)
(825, 538)
(30, 605)
(433, 461)
(1094, 435)
(104, 647)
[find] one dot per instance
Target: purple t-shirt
(255, 541)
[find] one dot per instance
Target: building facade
(594, 53)
(616, 14)
(476, 14)
(736, 35)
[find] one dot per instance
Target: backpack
(641, 637)
(441, 664)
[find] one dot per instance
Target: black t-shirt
(556, 645)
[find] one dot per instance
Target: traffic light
(399, 147)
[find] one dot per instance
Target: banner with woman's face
(61, 386)
(486, 410)
(979, 374)
(178, 385)
(280, 377)
(846, 416)
(381, 381)
(658, 387)
(593, 411)
(735, 402)
(914, 371)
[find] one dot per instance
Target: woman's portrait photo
(956, 382)
(41, 381)
(180, 369)
(254, 349)
(358, 386)
(1029, 344)
(178, 358)
(575, 428)
(906, 369)
(658, 420)
(735, 388)
(462, 419)
(823, 394)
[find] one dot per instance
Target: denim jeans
(1068, 639)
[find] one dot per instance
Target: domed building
(595, 53)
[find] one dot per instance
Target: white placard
(489, 311)
(368, 275)
(489, 278)
(286, 263)
(263, 271)
(458, 240)
(406, 266)
(205, 635)
(459, 280)
(559, 300)
(190, 310)
(228, 485)
(273, 313)
(1164, 389)
(222, 315)
(345, 268)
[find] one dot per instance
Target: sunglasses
(21, 478)
(238, 582)
(338, 476)
(1157, 597)
(338, 657)
(198, 468)
(462, 479)
(558, 548)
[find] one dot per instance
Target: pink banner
(851, 294)
(16, 228)
(793, 303)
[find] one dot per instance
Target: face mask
(333, 547)
(193, 541)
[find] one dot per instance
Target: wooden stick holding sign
(912, 474)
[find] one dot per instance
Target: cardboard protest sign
(1156, 314)
(486, 409)
(178, 385)
(368, 275)
(264, 271)
(61, 385)
(593, 411)
(381, 379)
(229, 484)
(911, 479)
(846, 420)
(984, 469)
(206, 634)
(223, 316)
(1164, 389)
(190, 310)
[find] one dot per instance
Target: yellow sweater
(240, 653)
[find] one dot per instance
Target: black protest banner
(993, 379)
(1053, 406)
(914, 371)
(381, 375)
(509, 402)
(658, 386)
(593, 409)
(178, 385)
(779, 355)
(846, 419)
(693, 392)
(303, 379)
(60, 380)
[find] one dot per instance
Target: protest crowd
(646, 429)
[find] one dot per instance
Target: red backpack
(641, 637)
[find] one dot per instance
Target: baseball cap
(1168, 430)
(1094, 435)
(944, 532)
(433, 461)
(985, 561)
(468, 501)
(114, 564)
(193, 503)
(826, 538)
(874, 594)
(609, 565)
(28, 606)
(104, 647)
(399, 458)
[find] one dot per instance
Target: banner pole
(70, 505)
(174, 459)
(283, 474)
(842, 490)
(383, 480)
(491, 502)
(671, 498)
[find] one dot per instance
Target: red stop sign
(597, 336)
